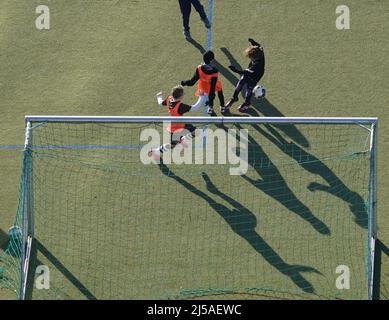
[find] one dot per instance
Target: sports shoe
(211, 112)
(244, 107)
(224, 110)
(206, 22)
(230, 103)
(186, 34)
(183, 143)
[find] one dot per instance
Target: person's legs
(247, 101)
(220, 94)
(249, 93)
(176, 138)
(187, 134)
(200, 9)
(190, 132)
(157, 152)
(223, 108)
(242, 81)
(186, 7)
(209, 107)
(238, 89)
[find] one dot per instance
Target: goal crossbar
(141, 119)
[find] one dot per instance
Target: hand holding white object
(159, 98)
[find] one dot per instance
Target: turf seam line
(208, 47)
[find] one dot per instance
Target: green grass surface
(111, 57)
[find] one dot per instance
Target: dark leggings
(175, 138)
(186, 7)
(220, 95)
(249, 90)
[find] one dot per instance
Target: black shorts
(175, 137)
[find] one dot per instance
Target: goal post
(372, 226)
(110, 226)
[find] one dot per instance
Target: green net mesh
(11, 259)
(110, 227)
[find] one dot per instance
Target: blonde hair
(254, 53)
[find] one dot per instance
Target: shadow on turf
(312, 164)
(335, 186)
(263, 105)
(37, 246)
(274, 185)
(243, 222)
(3, 240)
(380, 249)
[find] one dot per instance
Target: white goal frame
(35, 120)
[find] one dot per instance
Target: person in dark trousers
(186, 8)
(207, 77)
(250, 76)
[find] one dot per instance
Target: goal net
(268, 208)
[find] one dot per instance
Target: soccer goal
(267, 208)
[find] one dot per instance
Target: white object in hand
(159, 98)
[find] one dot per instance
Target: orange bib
(173, 111)
(204, 83)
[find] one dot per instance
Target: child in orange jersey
(207, 77)
(176, 108)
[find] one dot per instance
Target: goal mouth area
(278, 231)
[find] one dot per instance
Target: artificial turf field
(111, 57)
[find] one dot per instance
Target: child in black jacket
(250, 76)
